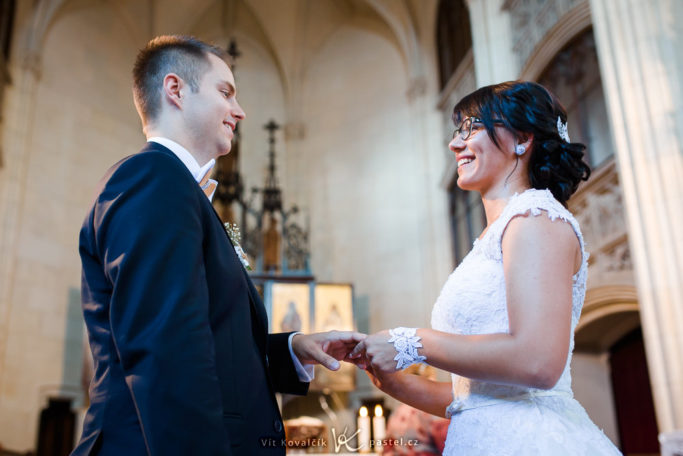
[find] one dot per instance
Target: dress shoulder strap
(533, 202)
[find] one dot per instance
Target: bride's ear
(524, 142)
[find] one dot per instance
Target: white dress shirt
(305, 373)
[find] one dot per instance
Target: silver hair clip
(562, 129)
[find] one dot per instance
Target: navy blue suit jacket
(183, 361)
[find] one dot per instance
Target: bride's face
(481, 164)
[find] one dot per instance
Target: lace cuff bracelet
(406, 342)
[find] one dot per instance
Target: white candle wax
(364, 428)
(379, 428)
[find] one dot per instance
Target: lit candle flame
(363, 411)
(378, 410)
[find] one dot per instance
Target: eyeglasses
(465, 129)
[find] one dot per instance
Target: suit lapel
(254, 300)
(258, 309)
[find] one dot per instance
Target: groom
(183, 361)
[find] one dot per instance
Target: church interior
(342, 185)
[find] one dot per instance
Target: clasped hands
(373, 353)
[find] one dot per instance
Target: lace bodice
(473, 299)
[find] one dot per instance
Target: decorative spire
(272, 195)
(233, 52)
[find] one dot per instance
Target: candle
(364, 430)
(379, 428)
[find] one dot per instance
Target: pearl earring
(519, 150)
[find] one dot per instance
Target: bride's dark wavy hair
(528, 107)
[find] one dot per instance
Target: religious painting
(290, 307)
(334, 311)
(333, 307)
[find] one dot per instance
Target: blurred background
(360, 93)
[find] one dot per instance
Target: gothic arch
(569, 26)
(609, 313)
(402, 25)
(239, 19)
(46, 14)
(394, 22)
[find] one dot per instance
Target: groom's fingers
(326, 345)
(337, 338)
(356, 337)
(326, 360)
(346, 336)
(358, 349)
(334, 341)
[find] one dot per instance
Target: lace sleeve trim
(533, 202)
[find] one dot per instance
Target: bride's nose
(457, 144)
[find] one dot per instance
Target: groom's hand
(326, 348)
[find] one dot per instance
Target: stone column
(640, 47)
(13, 181)
(492, 42)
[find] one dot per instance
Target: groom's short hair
(185, 56)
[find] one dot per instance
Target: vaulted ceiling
(289, 31)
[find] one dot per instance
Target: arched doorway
(633, 397)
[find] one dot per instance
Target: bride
(504, 322)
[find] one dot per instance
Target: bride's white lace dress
(500, 420)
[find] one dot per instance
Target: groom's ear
(173, 90)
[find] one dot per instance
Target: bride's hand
(388, 383)
(376, 352)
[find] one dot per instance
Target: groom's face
(212, 112)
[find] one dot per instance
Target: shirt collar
(198, 172)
